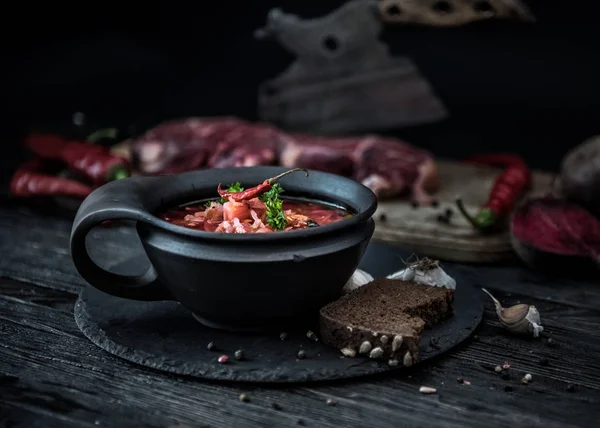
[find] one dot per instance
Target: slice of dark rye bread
(384, 319)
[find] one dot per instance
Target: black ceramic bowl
(230, 281)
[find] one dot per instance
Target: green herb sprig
(274, 204)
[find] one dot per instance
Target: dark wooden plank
(35, 248)
(27, 293)
(21, 415)
(51, 362)
(520, 280)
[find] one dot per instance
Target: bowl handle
(114, 202)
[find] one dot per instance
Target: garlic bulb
(358, 279)
(518, 319)
(426, 272)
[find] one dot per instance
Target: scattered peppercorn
(211, 346)
(551, 342)
(498, 369)
(283, 335)
(543, 361)
(508, 388)
(223, 359)
(383, 217)
(300, 422)
(570, 387)
(239, 355)
(331, 402)
(301, 354)
(435, 203)
(443, 219)
(244, 398)
(414, 204)
(275, 406)
(460, 380)
(312, 336)
(448, 213)
(505, 376)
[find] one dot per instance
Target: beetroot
(580, 175)
(549, 233)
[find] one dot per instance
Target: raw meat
(188, 144)
(334, 155)
(387, 166)
(246, 145)
(391, 167)
(170, 148)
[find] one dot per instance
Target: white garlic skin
(436, 277)
(535, 326)
(358, 279)
(407, 274)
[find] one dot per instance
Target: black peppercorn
(414, 204)
(551, 342)
(460, 380)
(301, 354)
(448, 213)
(383, 217)
(435, 203)
(443, 219)
(570, 387)
(505, 376)
(300, 422)
(275, 406)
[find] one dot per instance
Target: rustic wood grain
(417, 229)
(52, 376)
(50, 372)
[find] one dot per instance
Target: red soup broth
(250, 216)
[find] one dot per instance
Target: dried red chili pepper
(94, 162)
(29, 180)
(506, 192)
(256, 191)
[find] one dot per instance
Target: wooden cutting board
(419, 231)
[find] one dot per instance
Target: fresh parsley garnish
(274, 204)
(233, 188)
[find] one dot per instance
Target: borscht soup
(259, 209)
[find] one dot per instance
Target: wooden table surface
(52, 376)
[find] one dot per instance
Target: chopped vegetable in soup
(257, 210)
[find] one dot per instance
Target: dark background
(510, 86)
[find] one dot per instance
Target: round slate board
(165, 336)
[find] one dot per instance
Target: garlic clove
(514, 314)
(357, 280)
(519, 319)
